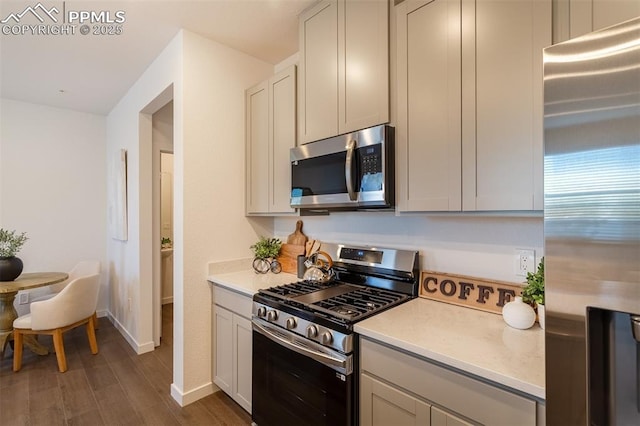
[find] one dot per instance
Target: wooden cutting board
(297, 238)
(289, 257)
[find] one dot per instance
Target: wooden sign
(476, 293)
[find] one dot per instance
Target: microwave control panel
(370, 159)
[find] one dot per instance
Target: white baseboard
(137, 347)
(186, 398)
(182, 398)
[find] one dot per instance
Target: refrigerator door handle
(638, 376)
(635, 327)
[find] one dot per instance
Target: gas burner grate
(358, 303)
(299, 288)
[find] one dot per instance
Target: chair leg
(91, 334)
(17, 350)
(95, 320)
(58, 344)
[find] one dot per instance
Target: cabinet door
(318, 106)
(428, 132)
(502, 65)
(223, 360)
(282, 110)
(591, 15)
(242, 361)
(270, 133)
(257, 148)
(383, 405)
(363, 64)
(456, 392)
(441, 418)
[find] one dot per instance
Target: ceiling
(91, 73)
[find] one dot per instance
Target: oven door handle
(342, 365)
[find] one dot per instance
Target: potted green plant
(166, 242)
(10, 244)
(265, 251)
(533, 292)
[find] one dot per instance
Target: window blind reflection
(593, 194)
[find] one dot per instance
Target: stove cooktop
(368, 280)
(345, 302)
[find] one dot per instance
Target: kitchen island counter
(475, 342)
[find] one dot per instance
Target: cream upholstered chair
(83, 268)
(75, 305)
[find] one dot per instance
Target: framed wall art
(118, 196)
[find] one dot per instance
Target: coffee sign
(476, 293)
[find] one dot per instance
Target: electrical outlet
(525, 262)
(23, 298)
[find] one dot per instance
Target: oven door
(297, 381)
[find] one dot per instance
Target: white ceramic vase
(541, 313)
(518, 314)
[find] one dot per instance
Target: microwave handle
(348, 170)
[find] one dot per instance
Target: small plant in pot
(166, 242)
(533, 292)
(265, 251)
(10, 244)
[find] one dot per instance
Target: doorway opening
(166, 226)
(163, 189)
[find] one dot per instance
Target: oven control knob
(291, 323)
(327, 338)
(262, 311)
(312, 331)
(272, 315)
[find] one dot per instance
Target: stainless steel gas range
(305, 353)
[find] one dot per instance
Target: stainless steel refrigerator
(592, 228)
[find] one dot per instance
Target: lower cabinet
(384, 405)
(232, 345)
(401, 389)
(381, 404)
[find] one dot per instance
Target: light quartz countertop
(475, 342)
(248, 282)
(470, 340)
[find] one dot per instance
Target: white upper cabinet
(318, 72)
(257, 148)
(270, 134)
(428, 129)
(502, 67)
(574, 18)
(344, 67)
(282, 110)
(469, 128)
(363, 64)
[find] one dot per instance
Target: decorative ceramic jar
(518, 314)
(10, 268)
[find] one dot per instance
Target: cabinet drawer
(235, 302)
(461, 394)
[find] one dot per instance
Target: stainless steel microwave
(349, 172)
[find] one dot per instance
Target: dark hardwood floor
(114, 387)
